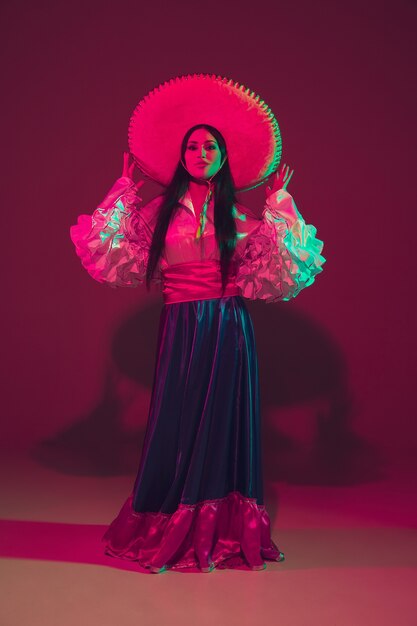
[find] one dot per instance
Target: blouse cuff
(113, 243)
(283, 203)
(282, 256)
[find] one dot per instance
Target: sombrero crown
(161, 119)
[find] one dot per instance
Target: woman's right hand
(129, 167)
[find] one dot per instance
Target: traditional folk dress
(197, 501)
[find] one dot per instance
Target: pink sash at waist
(195, 280)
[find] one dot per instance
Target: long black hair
(224, 200)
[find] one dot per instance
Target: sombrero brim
(161, 119)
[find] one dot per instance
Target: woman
(197, 501)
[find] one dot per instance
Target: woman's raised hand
(280, 179)
(129, 167)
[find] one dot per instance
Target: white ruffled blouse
(275, 257)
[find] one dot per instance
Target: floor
(351, 557)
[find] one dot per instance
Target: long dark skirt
(197, 501)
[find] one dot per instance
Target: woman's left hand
(280, 180)
(128, 169)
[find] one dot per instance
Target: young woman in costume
(197, 501)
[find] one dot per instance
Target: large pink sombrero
(161, 119)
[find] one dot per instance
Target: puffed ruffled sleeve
(282, 255)
(113, 243)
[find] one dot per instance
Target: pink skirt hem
(232, 532)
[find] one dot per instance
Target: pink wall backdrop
(338, 365)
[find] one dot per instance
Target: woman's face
(202, 154)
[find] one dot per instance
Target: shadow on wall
(307, 408)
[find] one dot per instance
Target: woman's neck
(198, 187)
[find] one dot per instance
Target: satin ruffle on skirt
(197, 500)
